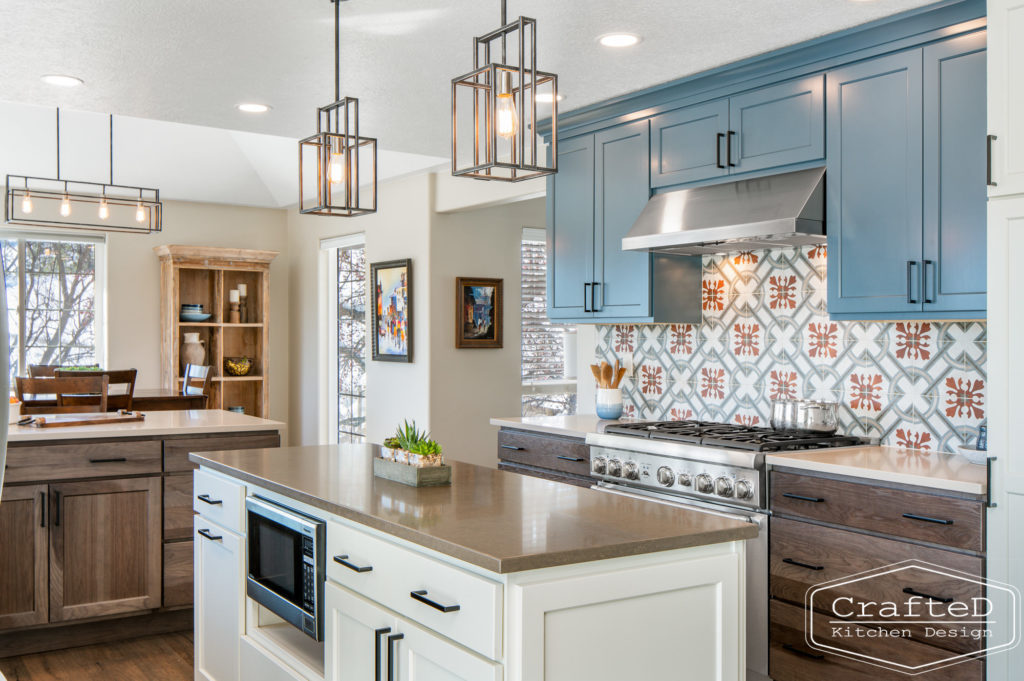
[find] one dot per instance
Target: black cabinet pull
(56, 510)
(803, 565)
(117, 459)
(421, 596)
(728, 149)
(988, 478)
(209, 535)
(911, 299)
(513, 447)
(718, 150)
(593, 295)
(377, 633)
(586, 287)
(205, 498)
(391, 656)
(801, 497)
(927, 519)
(343, 560)
(804, 653)
(570, 458)
(928, 265)
(913, 592)
(989, 139)
(42, 506)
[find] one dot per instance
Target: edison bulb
(140, 212)
(104, 211)
(26, 203)
(336, 168)
(65, 206)
(507, 120)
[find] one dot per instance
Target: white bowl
(973, 454)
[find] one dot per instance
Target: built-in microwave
(285, 563)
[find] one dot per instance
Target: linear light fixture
(78, 204)
(494, 108)
(336, 160)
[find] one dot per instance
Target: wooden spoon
(606, 374)
(618, 377)
(596, 370)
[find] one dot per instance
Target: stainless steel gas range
(710, 467)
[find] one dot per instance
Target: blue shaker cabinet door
(689, 144)
(874, 186)
(621, 190)
(570, 208)
(954, 175)
(778, 125)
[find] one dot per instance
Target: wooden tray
(425, 476)
(67, 420)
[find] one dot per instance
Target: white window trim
(100, 302)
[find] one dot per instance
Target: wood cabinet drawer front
(178, 506)
(791, 659)
(178, 574)
(176, 451)
(46, 463)
(544, 451)
(389, 574)
(803, 555)
(545, 474)
(914, 515)
(219, 499)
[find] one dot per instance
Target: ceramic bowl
(195, 316)
(237, 366)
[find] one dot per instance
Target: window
(546, 388)
(54, 311)
(346, 329)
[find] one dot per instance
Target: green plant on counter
(412, 439)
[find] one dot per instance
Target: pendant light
(336, 161)
(74, 204)
(495, 108)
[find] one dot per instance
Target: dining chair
(116, 399)
(196, 380)
(78, 394)
(49, 370)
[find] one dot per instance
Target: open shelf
(237, 378)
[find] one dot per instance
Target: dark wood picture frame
(375, 269)
(494, 339)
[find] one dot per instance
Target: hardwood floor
(167, 657)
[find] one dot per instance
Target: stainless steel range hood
(778, 210)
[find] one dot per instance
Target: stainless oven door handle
(684, 503)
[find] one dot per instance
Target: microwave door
(275, 560)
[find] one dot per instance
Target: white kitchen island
(552, 582)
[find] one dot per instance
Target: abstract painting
(392, 310)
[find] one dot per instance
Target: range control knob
(665, 476)
(744, 490)
(598, 465)
(685, 480)
(615, 467)
(630, 471)
(723, 487)
(704, 484)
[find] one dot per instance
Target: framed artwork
(391, 319)
(478, 313)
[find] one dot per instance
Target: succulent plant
(412, 439)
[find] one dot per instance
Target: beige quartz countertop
(938, 470)
(502, 522)
(185, 422)
(576, 425)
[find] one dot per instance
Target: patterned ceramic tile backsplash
(766, 333)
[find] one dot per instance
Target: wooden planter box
(414, 476)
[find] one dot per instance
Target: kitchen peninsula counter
(156, 424)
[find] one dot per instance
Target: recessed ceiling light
(250, 107)
(545, 97)
(61, 81)
(619, 39)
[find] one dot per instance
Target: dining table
(144, 399)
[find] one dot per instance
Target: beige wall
(133, 285)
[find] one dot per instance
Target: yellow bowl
(237, 366)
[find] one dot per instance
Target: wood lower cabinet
(24, 562)
(105, 547)
(540, 455)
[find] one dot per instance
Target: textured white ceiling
(192, 61)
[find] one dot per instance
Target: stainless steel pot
(819, 417)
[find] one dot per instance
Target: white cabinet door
(219, 568)
(422, 656)
(1006, 95)
(356, 632)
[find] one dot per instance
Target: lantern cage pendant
(336, 161)
(494, 108)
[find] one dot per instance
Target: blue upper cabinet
(570, 206)
(689, 144)
(769, 127)
(905, 184)
(954, 176)
(622, 278)
(873, 186)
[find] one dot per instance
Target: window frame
(99, 286)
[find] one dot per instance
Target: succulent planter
(411, 469)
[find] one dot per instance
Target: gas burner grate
(732, 436)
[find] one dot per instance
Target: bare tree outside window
(51, 297)
(352, 344)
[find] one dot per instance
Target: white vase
(609, 403)
(192, 351)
